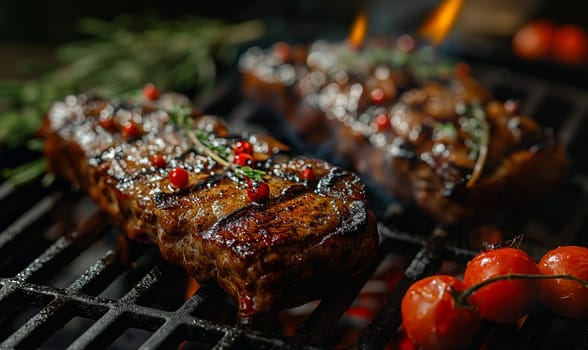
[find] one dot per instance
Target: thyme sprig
(205, 142)
(476, 124)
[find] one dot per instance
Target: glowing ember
(436, 27)
(358, 30)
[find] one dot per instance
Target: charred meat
(419, 127)
(269, 251)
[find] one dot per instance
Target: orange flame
(358, 30)
(191, 287)
(437, 26)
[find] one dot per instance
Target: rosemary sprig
(205, 142)
(118, 56)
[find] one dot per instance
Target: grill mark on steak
(167, 200)
(308, 236)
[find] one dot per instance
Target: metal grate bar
(18, 231)
(6, 189)
(169, 333)
(101, 333)
(63, 249)
(165, 337)
(334, 305)
(113, 323)
(190, 322)
(99, 275)
(576, 98)
(148, 282)
(91, 307)
(37, 329)
(10, 300)
(228, 341)
(426, 262)
(573, 123)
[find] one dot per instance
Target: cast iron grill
(68, 278)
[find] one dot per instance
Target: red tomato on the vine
(507, 300)
(565, 297)
(432, 318)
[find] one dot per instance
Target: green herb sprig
(444, 129)
(476, 124)
(115, 59)
(204, 142)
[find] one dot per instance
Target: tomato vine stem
(462, 297)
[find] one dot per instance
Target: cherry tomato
(257, 191)
(565, 297)
(570, 45)
(150, 92)
(533, 41)
(431, 317)
(507, 300)
(179, 177)
(243, 146)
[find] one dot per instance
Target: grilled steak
(421, 128)
(312, 231)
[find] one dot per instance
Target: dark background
(32, 29)
(55, 21)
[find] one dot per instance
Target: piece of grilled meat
(310, 233)
(421, 128)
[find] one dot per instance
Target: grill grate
(127, 297)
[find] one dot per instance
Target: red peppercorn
(179, 177)
(243, 159)
(107, 123)
(243, 146)
(307, 174)
(131, 130)
(378, 96)
(150, 92)
(158, 161)
(257, 191)
(382, 122)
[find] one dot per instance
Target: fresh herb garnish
(115, 59)
(444, 130)
(475, 123)
(209, 145)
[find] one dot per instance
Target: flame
(191, 287)
(438, 24)
(358, 30)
